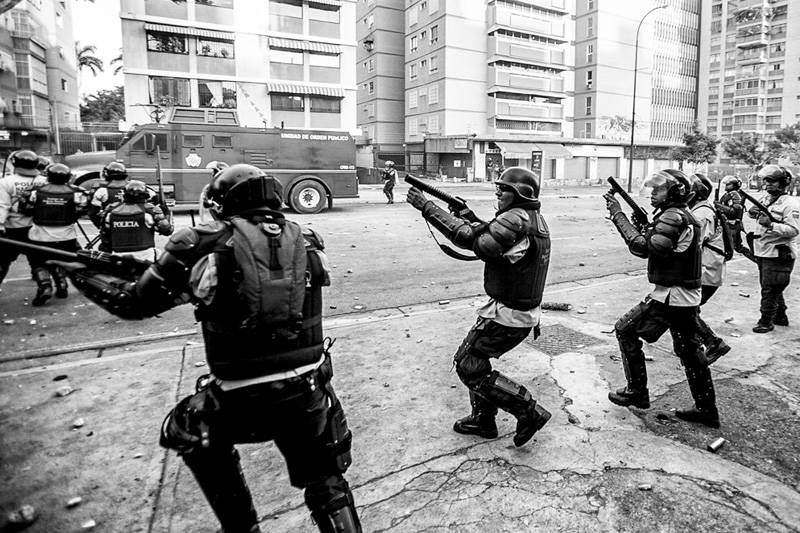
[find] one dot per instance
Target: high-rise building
(749, 51)
(38, 75)
(379, 74)
(279, 63)
(667, 80)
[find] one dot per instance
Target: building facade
(279, 63)
(749, 52)
(38, 75)
(667, 80)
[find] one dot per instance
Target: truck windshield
(127, 137)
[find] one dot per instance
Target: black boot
(62, 288)
(220, 477)
(332, 506)
(764, 327)
(715, 349)
(627, 396)
(635, 393)
(44, 291)
(780, 318)
(481, 421)
(515, 399)
(701, 386)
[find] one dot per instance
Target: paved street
(399, 308)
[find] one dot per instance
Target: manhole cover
(557, 339)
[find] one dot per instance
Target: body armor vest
(682, 269)
(55, 205)
(235, 351)
(520, 285)
(114, 191)
(129, 231)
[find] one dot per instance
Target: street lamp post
(633, 109)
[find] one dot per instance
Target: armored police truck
(314, 166)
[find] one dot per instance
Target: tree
(117, 64)
(107, 105)
(787, 143)
(698, 148)
(748, 150)
(87, 58)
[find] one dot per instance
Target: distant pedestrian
(389, 176)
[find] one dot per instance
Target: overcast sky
(98, 24)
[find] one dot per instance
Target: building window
(434, 34)
(289, 57)
(369, 65)
(214, 48)
(324, 60)
(326, 104)
(433, 123)
(169, 91)
(371, 87)
(433, 94)
(589, 5)
(413, 126)
(286, 16)
(433, 6)
(412, 72)
(589, 75)
(370, 109)
(64, 85)
(588, 105)
(286, 102)
(166, 42)
(777, 66)
(423, 5)
(434, 64)
(414, 43)
(423, 65)
(369, 20)
(192, 141)
(412, 99)
(217, 93)
(413, 16)
(589, 53)
(221, 141)
(587, 129)
(589, 27)
(323, 13)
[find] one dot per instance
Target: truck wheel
(308, 197)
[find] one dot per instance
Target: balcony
(747, 110)
(749, 90)
(521, 51)
(502, 78)
(752, 36)
(514, 110)
(750, 58)
(522, 21)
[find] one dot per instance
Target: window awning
(311, 46)
(518, 150)
(336, 3)
(555, 151)
(296, 88)
(196, 32)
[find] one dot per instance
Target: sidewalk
(594, 467)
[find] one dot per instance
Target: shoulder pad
(183, 239)
(212, 226)
(670, 223)
(313, 238)
(509, 226)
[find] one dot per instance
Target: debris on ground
(444, 302)
(744, 295)
(24, 516)
(716, 445)
(556, 306)
(645, 486)
(200, 363)
(78, 423)
(73, 502)
(89, 524)
(572, 419)
(64, 390)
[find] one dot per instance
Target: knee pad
(189, 424)
(628, 322)
(472, 370)
(498, 381)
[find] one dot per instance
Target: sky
(98, 24)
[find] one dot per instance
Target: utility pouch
(784, 252)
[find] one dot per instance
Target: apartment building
(379, 74)
(749, 55)
(667, 80)
(279, 63)
(38, 75)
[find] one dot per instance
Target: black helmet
(733, 181)
(241, 188)
(115, 171)
(524, 182)
(676, 183)
(135, 192)
(58, 174)
(43, 164)
(777, 173)
(25, 163)
(389, 163)
(701, 187)
(216, 166)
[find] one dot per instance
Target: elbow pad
(636, 242)
(457, 230)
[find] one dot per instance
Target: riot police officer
(56, 206)
(270, 372)
(776, 248)
(129, 227)
(731, 204)
(116, 176)
(671, 245)
(389, 176)
(515, 247)
(15, 223)
(713, 260)
(215, 167)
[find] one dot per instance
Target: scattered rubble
(23, 516)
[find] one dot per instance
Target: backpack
(272, 258)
